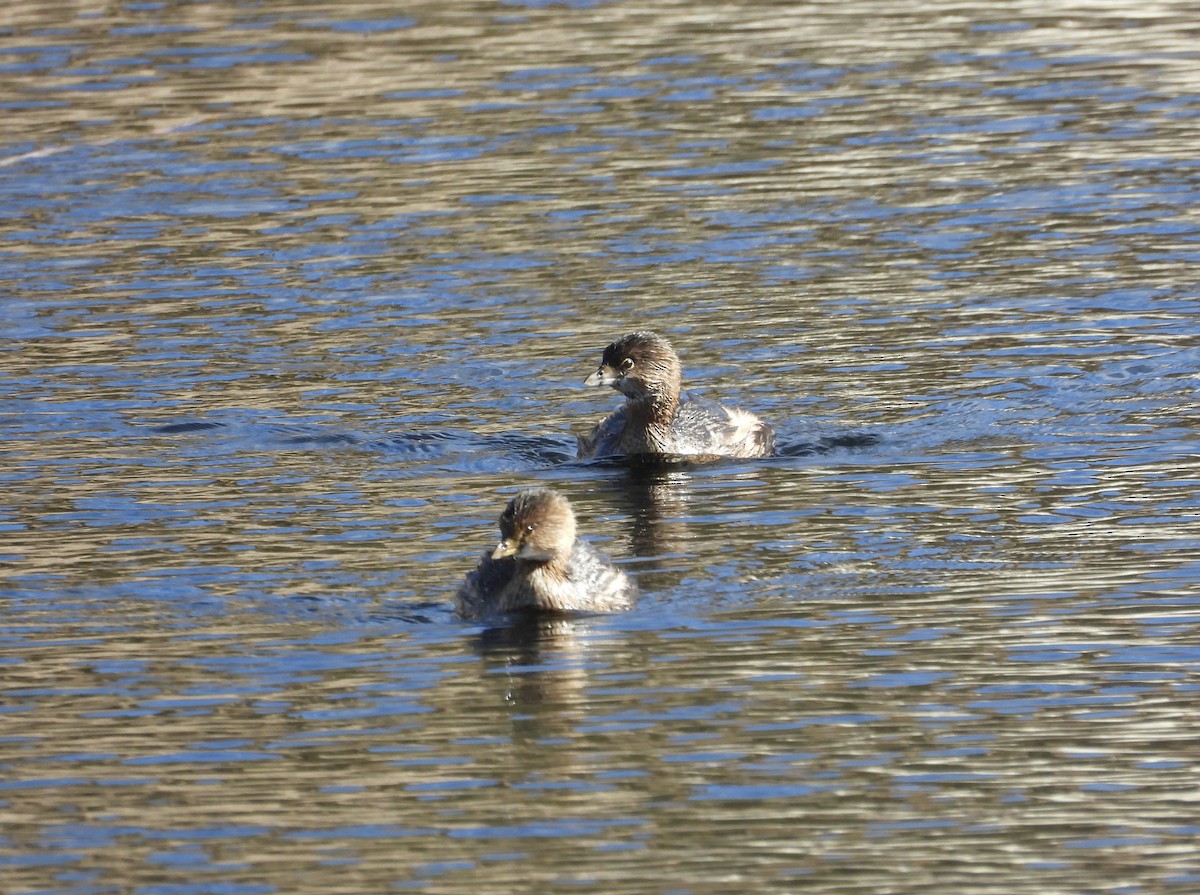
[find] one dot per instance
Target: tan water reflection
(755, 754)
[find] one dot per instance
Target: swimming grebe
(654, 420)
(541, 566)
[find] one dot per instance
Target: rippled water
(296, 295)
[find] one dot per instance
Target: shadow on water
(452, 448)
(672, 463)
(471, 451)
(187, 428)
(828, 444)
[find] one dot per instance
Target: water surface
(297, 296)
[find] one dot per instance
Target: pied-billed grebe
(654, 420)
(539, 565)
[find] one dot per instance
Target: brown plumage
(540, 565)
(655, 420)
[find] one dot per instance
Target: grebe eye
(529, 529)
(627, 365)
